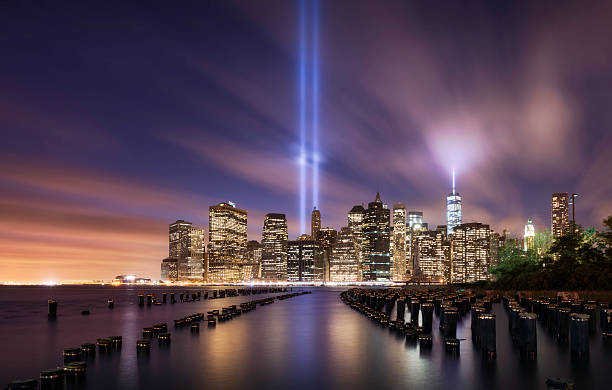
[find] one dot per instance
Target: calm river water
(311, 341)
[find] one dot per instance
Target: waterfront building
(560, 214)
(344, 265)
(186, 245)
(274, 247)
(470, 252)
(453, 209)
(169, 269)
(355, 222)
(529, 237)
(315, 222)
(376, 232)
(227, 242)
(398, 253)
(301, 259)
(325, 240)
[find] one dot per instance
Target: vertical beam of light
(302, 120)
(453, 181)
(315, 104)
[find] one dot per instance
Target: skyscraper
(274, 247)
(355, 223)
(470, 253)
(186, 245)
(227, 242)
(529, 237)
(415, 224)
(399, 241)
(344, 265)
(453, 209)
(315, 222)
(376, 256)
(301, 259)
(325, 241)
(560, 214)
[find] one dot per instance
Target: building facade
(431, 255)
(560, 214)
(344, 264)
(169, 269)
(529, 236)
(315, 222)
(325, 240)
(415, 225)
(376, 244)
(355, 223)
(301, 259)
(254, 252)
(399, 253)
(227, 242)
(274, 248)
(454, 215)
(470, 253)
(186, 245)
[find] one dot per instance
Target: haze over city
(118, 120)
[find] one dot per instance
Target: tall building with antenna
(453, 209)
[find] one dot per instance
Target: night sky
(118, 119)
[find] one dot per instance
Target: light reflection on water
(310, 341)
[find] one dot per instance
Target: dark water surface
(308, 342)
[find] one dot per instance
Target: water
(311, 341)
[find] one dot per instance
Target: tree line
(575, 261)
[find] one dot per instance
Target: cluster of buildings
(378, 244)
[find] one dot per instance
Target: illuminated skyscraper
(186, 245)
(415, 224)
(376, 242)
(560, 214)
(529, 237)
(399, 242)
(301, 259)
(470, 253)
(227, 242)
(453, 209)
(315, 222)
(355, 222)
(274, 247)
(325, 241)
(344, 265)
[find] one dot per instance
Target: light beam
(315, 104)
(302, 119)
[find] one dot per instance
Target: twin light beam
(309, 102)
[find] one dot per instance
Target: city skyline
(112, 138)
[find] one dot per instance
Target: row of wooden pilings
(74, 371)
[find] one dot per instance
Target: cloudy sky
(117, 119)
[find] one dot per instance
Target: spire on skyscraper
(378, 200)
